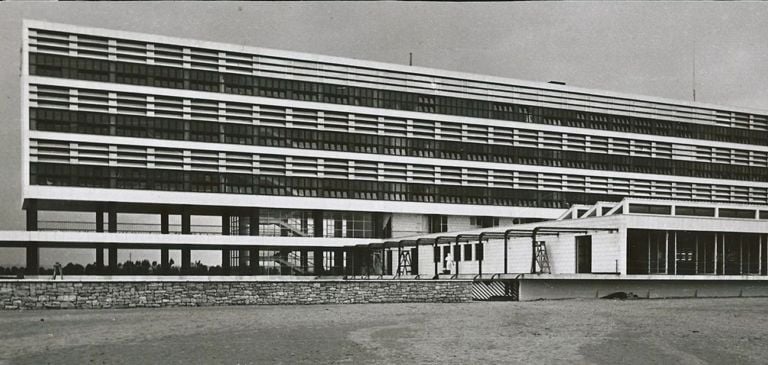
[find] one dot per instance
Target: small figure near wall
(57, 270)
(448, 264)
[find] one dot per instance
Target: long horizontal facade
(136, 133)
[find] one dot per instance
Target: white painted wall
(408, 225)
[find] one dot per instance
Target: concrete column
(284, 269)
(457, 257)
(317, 218)
(242, 228)
(164, 229)
(111, 219)
(186, 225)
(244, 261)
(33, 260)
(99, 260)
(376, 223)
(338, 261)
(253, 222)
(164, 263)
(225, 225)
(113, 260)
(318, 261)
(350, 262)
(225, 260)
(304, 258)
(436, 256)
(254, 258)
(186, 260)
(32, 215)
(99, 220)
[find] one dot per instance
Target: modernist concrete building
(296, 163)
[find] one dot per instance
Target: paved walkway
(694, 331)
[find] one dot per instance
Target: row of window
(692, 253)
(176, 55)
(281, 222)
(107, 71)
(201, 131)
(696, 211)
(215, 182)
(458, 253)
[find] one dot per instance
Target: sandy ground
(695, 331)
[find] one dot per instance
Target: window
(438, 223)
(695, 211)
(348, 224)
(737, 213)
(479, 254)
(468, 252)
(650, 209)
(456, 252)
(483, 222)
(194, 79)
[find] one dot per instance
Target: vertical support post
(186, 223)
(99, 220)
(675, 260)
(666, 251)
(186, 260)
(225, 260)
(164, 262)
(338, 261)
(304, 258)
(376, 225)
(762, 253)
(254, 257)
(716, 254)
(648, 259)
(533, 253)
(242, 228)
(317, 219)
(225, 229)
(33, 260)
(318, 261)
(111, 219)
(164, 229)
(112, 253)
(99, 260)
(253, 222)
(32, 215)
(383, 261)
(349, 268)
(244, 260)
(399, 258)
(506, 253)
(284, 268)
(436, 258)
(697, 254)
(457, 256)
(722, 235)
(741, 255)
(480, 255)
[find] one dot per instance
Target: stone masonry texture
(116, 294)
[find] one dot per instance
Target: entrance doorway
(583, 254)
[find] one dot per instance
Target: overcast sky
(641, 48)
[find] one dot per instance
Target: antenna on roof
(693, 79)
(410, 58)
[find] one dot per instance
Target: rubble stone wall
(20, 294)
